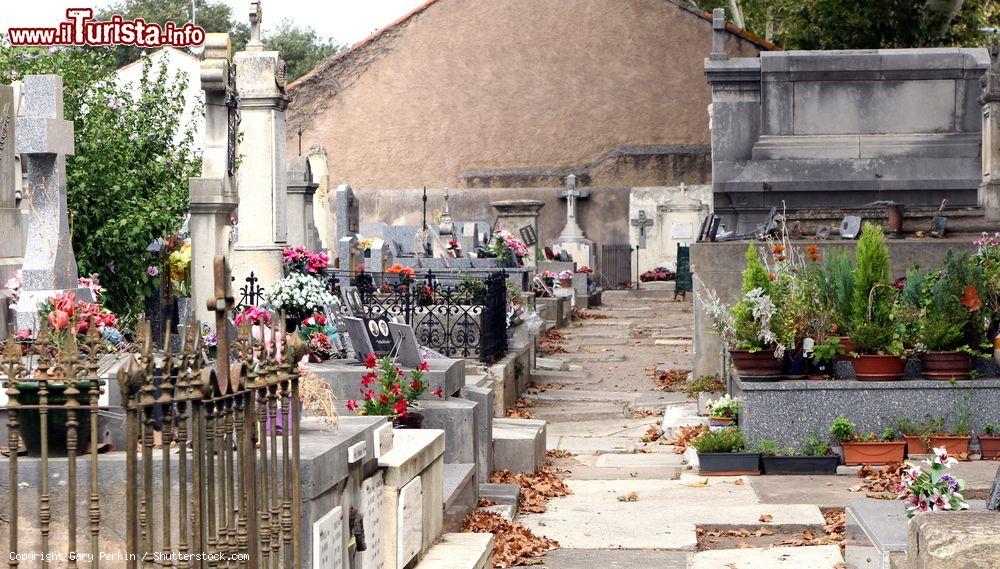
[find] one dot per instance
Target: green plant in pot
(815, 457)
(919, 432)
(723, 411)
(989, 441)
(931, 433)
(837, 298)
(866, 448)
(950, 320)
(875, 325)
(722, 452)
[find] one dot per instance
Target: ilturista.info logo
(81, 29)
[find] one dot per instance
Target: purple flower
(152, 271)
(111, 267)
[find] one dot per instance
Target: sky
(347, 21)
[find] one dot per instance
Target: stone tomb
(344, 376)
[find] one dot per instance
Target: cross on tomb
(256, 16)
(572, 193)
(221, 303)
(642, 222)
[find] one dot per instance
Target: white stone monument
(322, 199)
(572, 239)
(673, 216)
(213, 197)
(11, 230)
(301, 192)
(263, 228)
(44, 139)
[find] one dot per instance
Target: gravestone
(468, 236)
(357, 332)
(347, 212)
(262, 177)
(11, 230)
(348, 256)
(407, 348)
(404, 237)
(212, 196)
(512, 215)
(989, 189)
(44, 140)
(993, 500)
(301, 191)
(572, 239)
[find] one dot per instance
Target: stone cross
(221, 303)
(718, 35)
(642, 222)
(446, 227)
(256, 17)
(572, 193)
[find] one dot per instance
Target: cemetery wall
(518, 93)
(719, 267)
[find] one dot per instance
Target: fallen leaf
(738, 482)
(630, 497)
(808, 534)
(766, 518)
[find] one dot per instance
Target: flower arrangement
(366, 244)
(725, 407)
(319, 335)
(657, 274)
(396, 393)
(301, 260)
(65, 313)
(93, 284)
(506, 247)
(298, 295)
(252, 315)
(13, 285)
(564, 276)
(932, 491)
(454, 249)
(179, 263)
(400, 270)
(585, 270)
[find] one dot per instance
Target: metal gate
(614, 267)
(224, 491)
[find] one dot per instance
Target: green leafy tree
(79, 69)
(211, 15)
(301, 47)
(864, 24)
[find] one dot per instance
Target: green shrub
(837, 287)
(768, 447)
(842, 430)
(724, 440)
(873, 323)
(704, 384)
(989, 429)
(813, 446)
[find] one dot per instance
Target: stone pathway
(597, 395)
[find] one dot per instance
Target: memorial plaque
(528, 235)
(378, 334)
(7, 170)
(682, 230)
(357, 333)
(371, 506)
(328, 540)
(383, 440)
(409, 522)
(407, 349)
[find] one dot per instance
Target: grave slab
(344, 376)
(518, 444)
(818, 556)
(457, 418)
(459, 551)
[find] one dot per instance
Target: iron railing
(457, 316)
(225, 490)
(614, 266)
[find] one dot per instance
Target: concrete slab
(604, 357)
(459, 551)
(554, 364)
(664, 516)
(637, 460)
(824, 491)
(616, 559)
(584, 445)
(582, 395)
(602, 428)
(579, 411)
(813, 557)
(625, 473)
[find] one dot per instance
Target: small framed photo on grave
(407, 349)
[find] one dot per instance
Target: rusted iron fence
(224, 488)
(614, 266)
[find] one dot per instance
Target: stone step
(605, 357)
(567, 412)
(518, 444)
(459, 551)
(755, 558)
(583, 395)
(594, 445)
(461, 494)
(506, 494)
(550, 364)
(505, 511)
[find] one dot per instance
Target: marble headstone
(348, 212)
(357, 332)
(407, 349)
(11, 231)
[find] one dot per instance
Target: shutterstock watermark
(81, 29)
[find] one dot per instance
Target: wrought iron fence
(614, 266)
(226, 430)
(457, 316)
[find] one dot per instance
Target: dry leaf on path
(766, 518)
(630, 497)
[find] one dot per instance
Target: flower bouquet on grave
(298, 296)
(454, 249)
(506, 247)
(66, 314)
(565, 279)
(394, 393)
(723, 411)
(301, 260)
(932, 491)
(209, 341)
(319, 336)
(179, 263)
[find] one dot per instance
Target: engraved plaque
(328, 540)
(373, 501)
(7, 169)
(409, 526)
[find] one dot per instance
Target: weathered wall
(719, 267)
(518, 93)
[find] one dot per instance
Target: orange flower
(777, 249)
(773, 276)
(970, 299)
(812, 248)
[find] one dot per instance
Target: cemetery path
(634, 503)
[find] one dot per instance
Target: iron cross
(642, 222)
(221, 304)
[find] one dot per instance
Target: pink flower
(58, 319)
(424, 366)
(370, 361)
(352, 405)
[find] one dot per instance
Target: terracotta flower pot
(848, 346)
(565, 283)
(873, 453)
(946, 365)
(915, 445)
(878, 368)
(721, 421)
(756, 364)
(956, 446)
(990, 446)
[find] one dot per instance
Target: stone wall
(719, 267)
(844, 128)
(517, 93)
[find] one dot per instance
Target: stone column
(989, 190)
(263, 228)
(213, 197)
(11, 230)
(44, 140)
(301, 188)
(512, 215)
(322, 199)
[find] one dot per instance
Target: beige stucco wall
(470, 84)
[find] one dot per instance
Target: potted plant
(752, 333)
(319, 337)
(299, 295)
(723, 453)
(823, 355)
(837, 299)
(950, 323)
(932, 491)
(918, 433)
(989, 442)
(396, 394)
(875, 326)
(565, 279)
(723, 411)
(866, 448)
(815, 457)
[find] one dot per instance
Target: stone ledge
(943, 540)
(413, 450)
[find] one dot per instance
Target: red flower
(438, 392)
(396, 389)
(383, 398)
(415, 385)
(368, 378)
(59, 319)
(319, 319)
(773, 276)
(352, 405)
(370, 361)
(400, 407)
(424, 366)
